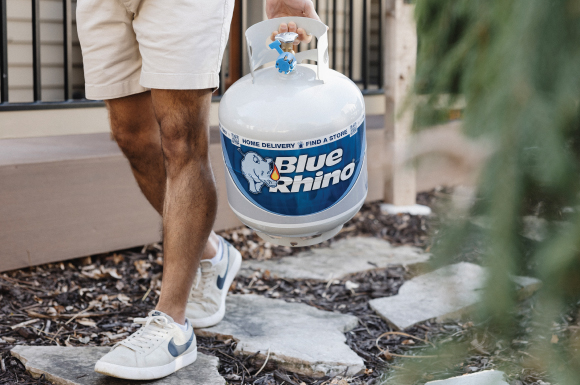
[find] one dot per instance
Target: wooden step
(64, 197)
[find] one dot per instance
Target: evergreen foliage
(516, 63)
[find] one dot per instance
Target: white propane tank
(293, 140)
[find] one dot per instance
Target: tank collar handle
(258, 40)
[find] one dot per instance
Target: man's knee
(184, 140)
(134, 137)
(183, 116)
(133, 123)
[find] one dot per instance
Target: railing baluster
(37, 87)
(381, 47)
(67, 48)
(242, 39)
(350, 37)
(344, 37)
(3, 53)
(365, 45)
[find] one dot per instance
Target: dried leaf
(112, 272)
(142, 267)
(84, 340)
(118, 258)
(94, 274)
(86, 322)
(123, 298)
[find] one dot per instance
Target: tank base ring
(300, 241)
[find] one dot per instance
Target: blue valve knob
(286, 61)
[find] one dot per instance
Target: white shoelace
(153, 329)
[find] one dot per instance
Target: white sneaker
(207, 300)
(156, 350)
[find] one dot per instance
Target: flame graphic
(275, 174)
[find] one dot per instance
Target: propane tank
(293, 140)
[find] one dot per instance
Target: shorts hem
(113, 91)
(185, 81)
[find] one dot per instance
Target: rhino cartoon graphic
(258, 171)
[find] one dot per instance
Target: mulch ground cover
(91, 301)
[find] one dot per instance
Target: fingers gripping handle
(258, 39)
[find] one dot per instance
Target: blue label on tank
(296, 178)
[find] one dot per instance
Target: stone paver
(535, 228)
(390, 209)
(72, 366)
(301, 338)
(347, 256)
(443, 294)
(488, 377)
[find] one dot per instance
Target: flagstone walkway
(296, 336)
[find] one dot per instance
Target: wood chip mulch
(91, 301)
(101, 294)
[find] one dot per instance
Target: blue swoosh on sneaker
(221, 280)
(177, 350)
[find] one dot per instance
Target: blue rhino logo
(257, 171)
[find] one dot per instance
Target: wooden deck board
(56, 148)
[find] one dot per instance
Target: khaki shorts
(130, 46)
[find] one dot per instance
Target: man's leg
(136, 131)
(190, 202)
(165, 135)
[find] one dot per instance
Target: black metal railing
(340, 15)
(3, 53)
(37, 102)
(370, 75)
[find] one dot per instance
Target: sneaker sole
(149, 373)
(215, 318)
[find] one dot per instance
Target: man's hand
(300, 8)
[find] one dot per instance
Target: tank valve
(284, 44)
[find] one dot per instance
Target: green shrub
(517, 65)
